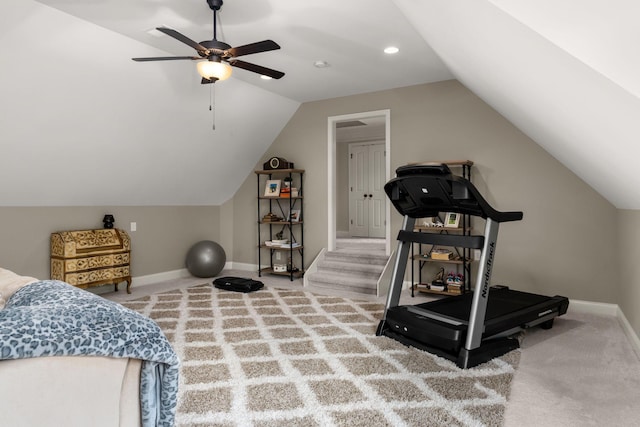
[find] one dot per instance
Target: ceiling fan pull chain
(212, 104)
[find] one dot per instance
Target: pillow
(10, 282)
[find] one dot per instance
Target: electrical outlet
(134, 226)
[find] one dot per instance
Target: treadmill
(474, 327)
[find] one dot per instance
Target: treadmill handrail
(473, 242)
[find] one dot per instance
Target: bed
(69, 357)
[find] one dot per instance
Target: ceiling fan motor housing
(215, 45)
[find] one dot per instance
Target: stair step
(362, 244)
(354, 267)
(357, 257)
(339, 266)
(343, 282)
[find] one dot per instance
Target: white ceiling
(565, 72)
(349, 35)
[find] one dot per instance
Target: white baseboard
(159, 277)
(628, 331)
(313, 267)
(240, 266)
(169, 275)
(590, 307)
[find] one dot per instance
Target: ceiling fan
(218, 57)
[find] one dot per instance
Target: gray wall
(163, 237)
(566, 243)
(571, 242)
(629, 254)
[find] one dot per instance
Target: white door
(366, 190)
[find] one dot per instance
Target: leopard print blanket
(53, 318)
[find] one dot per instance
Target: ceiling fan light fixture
(219, 70)
(391, 50)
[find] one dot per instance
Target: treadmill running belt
(502, 301)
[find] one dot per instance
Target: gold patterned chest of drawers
(86, 258)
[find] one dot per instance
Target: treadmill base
(464, 359)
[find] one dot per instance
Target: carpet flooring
(281, 357)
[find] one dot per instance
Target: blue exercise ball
(205, 259)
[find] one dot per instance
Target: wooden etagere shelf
(461, 259)
(283, 222)
(424, 288)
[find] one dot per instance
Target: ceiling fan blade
(206, 81)
(257, 47)
(166, 58)
(184, 39)
(256, 68)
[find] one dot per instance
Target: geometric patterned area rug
(291, 358)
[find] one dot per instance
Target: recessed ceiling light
(321, 64)
(263, 77)
(391, 50)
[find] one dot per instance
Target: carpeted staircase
(355, 266)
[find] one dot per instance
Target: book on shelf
(281, 244)
(437, 286)
(455, 288)
(290, 245)
(441, 254)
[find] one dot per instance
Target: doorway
(338, 173)
(367, 199)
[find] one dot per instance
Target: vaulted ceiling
(564, 71)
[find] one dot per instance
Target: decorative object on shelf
(455, 283)
(277, 163)
(205, 259)
(294, 215)
(452, 220)
(451, 278)
(272, 189)
(271, 217)
(294, 192)
(441, 254)
(432, 222)
(287, 183)
(291, 268)
(427, 222)
(438, 283)
(108, 221)
(279, 268)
